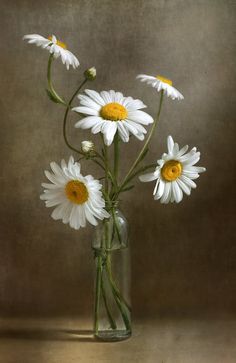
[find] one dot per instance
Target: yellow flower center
(171, 170)
(61, 44)
(114, 112)
(76, 192)
(165, 80)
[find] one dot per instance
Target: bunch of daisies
(78, 198)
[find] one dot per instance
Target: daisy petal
(170, 144)
(140, 117)
(166, 194)
(123, 132)
(86, 110)
(95, 96)
(177, 192)
(88, 122)
(109, 132)
(147, 177)
(160, 190)
(186, 189)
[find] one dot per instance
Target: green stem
(106, 166)
(49, 78)
(116, 159)
(139, 157)
(64, 128)
(98, 163)
(115, 288)
(117, 295)
(110, 318)
(101, 289)
(65, 118)
(68, 107)
(97, 292)
(115, 225)
(112, 178)
(141, 170)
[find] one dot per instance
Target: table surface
(62, 340)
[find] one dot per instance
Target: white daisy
(110, 112)
(175, 173)
(55, 47)
(77, 198)
(162, 83)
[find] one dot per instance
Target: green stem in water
(142, 152)
(114, 286)
(115, 290)
(117, 295)
(101, 289)
(110, 318)
(97, 292)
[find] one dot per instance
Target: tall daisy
(162, 83)
(175, 173)
(55, 47)
(110, 112)
(77, 198)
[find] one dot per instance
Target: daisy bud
(87, 146)
(90, 74)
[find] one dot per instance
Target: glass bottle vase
(112, 312)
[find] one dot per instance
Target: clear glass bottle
(112, 312)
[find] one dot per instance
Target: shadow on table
(79, 335)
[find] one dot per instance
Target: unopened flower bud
(87, 146)
(90, 74)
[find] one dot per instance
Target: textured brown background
(183, 256)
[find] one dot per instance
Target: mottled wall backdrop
(183, 256)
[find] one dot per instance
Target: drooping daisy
(110, 112)
(175, 173)
(162, 83)
(55, 47)
(77, 198)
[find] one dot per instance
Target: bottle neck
(113, 205)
